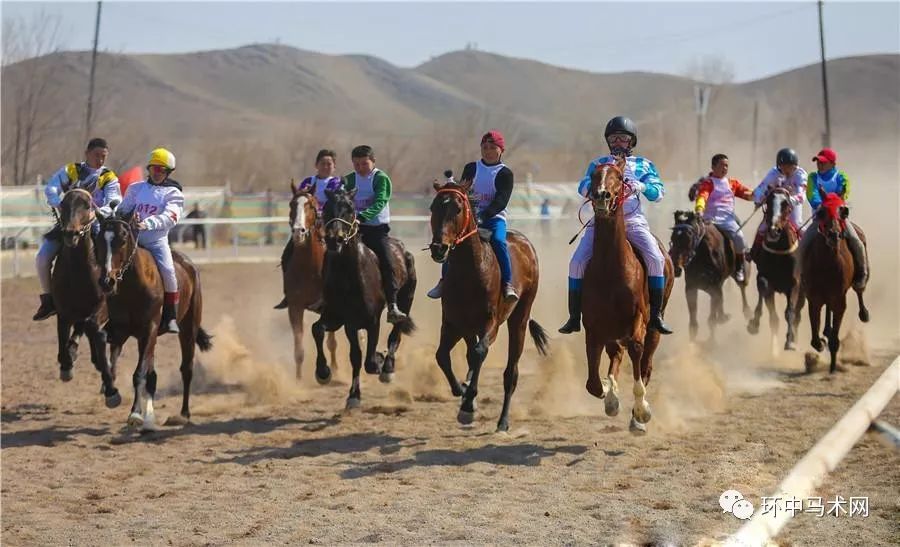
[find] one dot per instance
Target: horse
(302, 274)
(354, 298)
(134, 293)
(777, 270)
(80, 304)
(708, 258)
(827, 273)
(616, 299)
(472, 305)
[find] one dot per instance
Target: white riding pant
(159, 248)
(638, 234)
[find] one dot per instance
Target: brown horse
(302, 273)
(134, 289)
(708, 259)
(616, 299)
(828, 273)
(79, 302)
(777, 268)
(473, 308)
(354, 297)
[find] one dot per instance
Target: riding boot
(860, 262)
(285, 258)
(574, 322)
(739, 274)
(509, 293)
(656, 320)
(47, 308)
(437, 291)
(168, 323)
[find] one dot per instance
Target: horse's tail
(407, 325)
(540, 337)
(204, 340)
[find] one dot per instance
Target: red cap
(495, 137)
(827, 155)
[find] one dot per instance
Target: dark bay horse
(472, 306)
(354, 298)
(81, 306)
(708, 259)
(134, 290)
(827, 273)
(616, 300)
(302, 274)
(777, 268)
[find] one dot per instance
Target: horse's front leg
(97, 340)
(773, 320)
(762, 287)
(323, 372)
(815, 316)
(355, 396)
(475, 356)
(834, 340)
(745, 306)
(295, 315)
(64, 356)
(640, 414)
(449, 339)
(789, 311)
(691, 294)
(144, 381)
(372, 362)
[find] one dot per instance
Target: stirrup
(169, 327)
(281, 305)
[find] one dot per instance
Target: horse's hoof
(372, 367)
(135, 420)
(818, 344)
(149, 427)
(642, 413)
(465, 418)
(352, 402)
(611, 404)
(386, 377)
(864, 315)
(637, 427)
(753, 329)
(113, 400)
(65, 374)
(502, 426)
(810, 362)
(323, 380)
(790, 346)
(595, 389)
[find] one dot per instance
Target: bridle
(354, 228)
(130, 260)
(697, 231)
(84, 229)
(466, 211)
(620, 197)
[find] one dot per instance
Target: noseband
(354, 228)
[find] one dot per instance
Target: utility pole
(755, 133)
(90, 101)
(827, 137)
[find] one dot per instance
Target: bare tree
(28, 67)
(710, 69)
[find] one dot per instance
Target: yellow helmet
(163, 158)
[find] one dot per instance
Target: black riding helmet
(787, 156)
(621, 124)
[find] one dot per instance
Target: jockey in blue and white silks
(641, 174)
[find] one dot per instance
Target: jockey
(786, 174)
(323, 180)
(640, 173)
(158, 202)
(492, 186)
(374, 215)
(828, 179)
(90, 175)
(715, 203)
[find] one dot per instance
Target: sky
(757, 38)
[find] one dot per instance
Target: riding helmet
(787, 156)
(621, 124)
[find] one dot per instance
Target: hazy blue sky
(759, 38)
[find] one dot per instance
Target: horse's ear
(352, 193)
(436, 185)
(293, 187)
(312, 189)
(820, 213)
(466, 184)
(822, 193)
(845, 212)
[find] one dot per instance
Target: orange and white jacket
(715, 197)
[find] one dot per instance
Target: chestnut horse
(134, 296)
(708, 259)
(472, 306)
(827, 271)
(354, 297)
(302, 274)
(76, 293)
(777, 268)
(616, 299)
